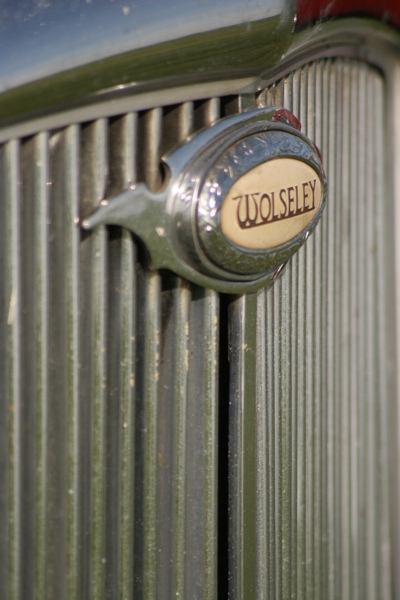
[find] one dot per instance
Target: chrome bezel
(248, 152)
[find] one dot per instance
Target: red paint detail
(286, 116)
(320, 158)
(387, 11)
(318, 152)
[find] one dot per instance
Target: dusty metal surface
(143, 453)
(323, 400)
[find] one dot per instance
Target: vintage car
(199, 324)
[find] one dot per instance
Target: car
(199, 290)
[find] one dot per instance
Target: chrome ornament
(241, 199)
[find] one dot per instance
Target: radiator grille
(142, 454)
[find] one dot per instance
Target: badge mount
(243, 196)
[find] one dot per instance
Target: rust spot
(285, 116)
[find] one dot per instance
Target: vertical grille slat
(97, 326)
(143, 453)
(150, 155)
(13, 483)
(361, 382)
(73, 550)
(319, 353)
(242, 450)
(384, 355)
(41, 304)
(210, 456)
(125, 372)
(206, 582)
(331, 325)
(262, 467)
(180, 391)
(202, 414)
(149, 390)
(172, 435)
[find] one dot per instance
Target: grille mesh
(323, 400)
(113, 376)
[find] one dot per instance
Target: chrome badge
(242, 197)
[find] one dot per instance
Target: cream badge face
(271, 204)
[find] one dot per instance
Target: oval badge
(260, 200)
(271, 204)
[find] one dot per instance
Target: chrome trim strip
(394, 357)
(117, 105)
(359, 38)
